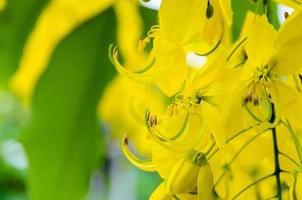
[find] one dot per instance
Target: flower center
(262, 75)
(257, 88)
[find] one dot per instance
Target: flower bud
(205, 182)
(184, 177)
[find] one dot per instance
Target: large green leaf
(16, 23)
(63, 140)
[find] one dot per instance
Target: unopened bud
(205, 182)
(183, 178)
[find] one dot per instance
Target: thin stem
(276, 156)
(211, 148)
(230, 139)
(277, 164)
(236, 47)
(289, 158)
(285, 171)
(238, 134)
(251, 185)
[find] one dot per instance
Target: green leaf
(240, 7)
(149, 18)
(16, 23)
(63, 141)
(273, 14)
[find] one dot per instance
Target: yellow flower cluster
(231, 128)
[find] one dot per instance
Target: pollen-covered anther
(173, 109)
(250, 98)
(151, 119)
(256, 101)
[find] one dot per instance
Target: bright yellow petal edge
(51, 27)
(2, 4)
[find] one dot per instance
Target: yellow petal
(128, 114)
(248, 22)
(164, 160)
(160, 193)
(289, 102)
(205, 182)
(299, 186)
(233, 114)
(260, 42)
(291, 27)
(182, 21)
(171, 61)
(129, 31)
(290, 3)
(287, 60)
(212, 118)
(183, 177)
(226, 9)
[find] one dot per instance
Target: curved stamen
(177, 135)
(212, 49)
(151, 122)
(142, 74)
(150, 35)
(145, 165)
(173, 145)
(251, 112)
(235, 48)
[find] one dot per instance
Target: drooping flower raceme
(231, 128)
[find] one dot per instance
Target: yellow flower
(196, 30)
(190, 178)
(192, 175)
(272, 57)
